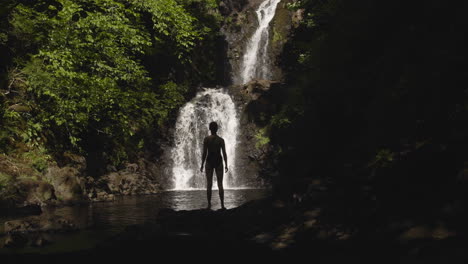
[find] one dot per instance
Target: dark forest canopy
(377, 96)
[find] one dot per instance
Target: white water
(192, 127)
(216, 105)
(255, 64)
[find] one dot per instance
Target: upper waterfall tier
(256, 62)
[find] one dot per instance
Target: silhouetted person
(212, 147)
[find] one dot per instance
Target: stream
(101, 221)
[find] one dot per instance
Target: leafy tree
(85, 71)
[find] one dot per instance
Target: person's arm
(223, 147)
(205, 153)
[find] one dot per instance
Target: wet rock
(103, 197)
(43, 223)
(254, 89)
(26, 195)
(226, 7)
(20, 240)
(130, 181)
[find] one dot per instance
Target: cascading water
(192, 127)
(216, 105)
(256, 64)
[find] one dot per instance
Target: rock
(344, 236)
(310, 223)
(43, 223)
(256, 88)
(131, 167)
(33, 192)
(26, 194)
(263, 238)
(40, 241)
(227, 7)
(67, 184)
(111, 168)
(15, 240)
(130, 181)
(297, 17)
(417, 232)
(75, 161)
(21, 226)
(224, 9)
(19, 240)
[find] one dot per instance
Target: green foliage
(383, 159)
(3, 38)
(98, 77)
(5, 180)
(280, 120)
(85, 71)
(262, 137)
(293, 6)
(170, 20)
(172, 95)
(38, 158)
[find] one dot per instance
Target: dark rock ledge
(35, 230)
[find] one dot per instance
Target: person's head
(213, 127)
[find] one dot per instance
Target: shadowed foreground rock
(35, 230)
(270, 230)
(39, 224)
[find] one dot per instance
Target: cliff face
(255, 157)
(241, 23)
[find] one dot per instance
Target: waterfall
(256, 64)
(216, 105)
(190, 130)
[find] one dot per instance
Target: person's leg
(219, 178)
(209, 182)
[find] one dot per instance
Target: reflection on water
(99, 221)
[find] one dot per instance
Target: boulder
(42, 223)
(67, 183)
(15, 240)
(256, 88)
(25, 196)
(35, 192)
(129, 182)
(19, 240)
